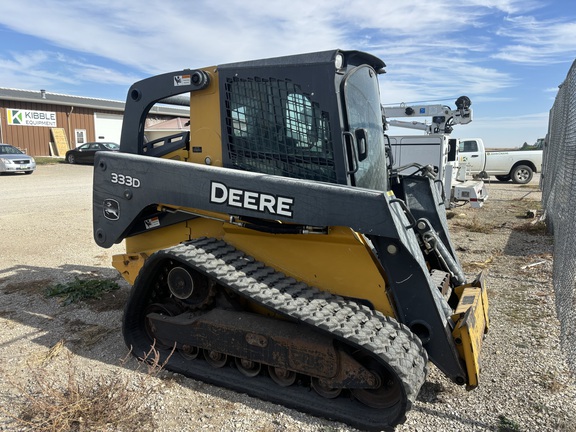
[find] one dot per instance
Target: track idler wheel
(191, 288)
(282, 377)
(215, 359)
(324, 389)
(189, 352)
(389, 389)
(248, 367)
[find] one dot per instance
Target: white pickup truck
(516, 165)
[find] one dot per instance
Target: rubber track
(353, 324)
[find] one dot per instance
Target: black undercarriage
(305, 349)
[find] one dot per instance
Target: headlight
(6, 161)
(339, 61)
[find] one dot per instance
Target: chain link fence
(558, 196)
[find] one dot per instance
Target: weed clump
(78, 289)
(507, 425)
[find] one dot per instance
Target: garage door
(108, 127)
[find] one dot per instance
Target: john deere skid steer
(274, 250)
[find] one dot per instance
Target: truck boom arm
(443, 117)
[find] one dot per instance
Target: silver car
(13, 160)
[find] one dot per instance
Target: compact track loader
(274, 250)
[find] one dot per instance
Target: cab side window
(468, 146)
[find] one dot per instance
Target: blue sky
(508, 56)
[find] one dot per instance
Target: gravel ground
(46, 238)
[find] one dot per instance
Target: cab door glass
(365, 127)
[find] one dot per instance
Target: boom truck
(436, 152)
(271, 252)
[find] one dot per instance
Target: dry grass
(475, 225)
(48, 160)
(533, 186)
(82, 402)
(535, 227)
(474, 266)
(551, 383)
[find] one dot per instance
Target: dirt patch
(113, 301)
(27, 287)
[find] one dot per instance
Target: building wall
(35, 139)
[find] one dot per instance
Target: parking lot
(46, 221)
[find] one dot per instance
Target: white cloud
(162, 36)
(425, 76)
(508, 6)
(552, 90)
(506, 131)
(537, 42)
(157, 36)
(537, 120)
(429, 47)
(34, 64)
(80, 70)
(54, 70)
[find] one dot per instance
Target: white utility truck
(435, 151)
(516, 165)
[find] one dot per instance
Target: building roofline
(43, 96)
